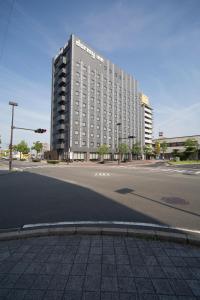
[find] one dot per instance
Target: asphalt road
(81, 192)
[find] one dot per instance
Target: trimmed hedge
(53, 161)
(36, 159)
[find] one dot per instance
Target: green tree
(123, 149)
(175, 153)
(147, 151)
(163, 147)
(22, 147)
(157, 148)
(136, 150)
(102, 150)
(37, 146)
(191, 148)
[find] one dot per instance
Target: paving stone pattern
(98, 268)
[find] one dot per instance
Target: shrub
(36, 159)
(53, 161)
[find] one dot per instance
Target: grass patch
(185, 162)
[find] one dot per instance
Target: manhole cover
(175, 200)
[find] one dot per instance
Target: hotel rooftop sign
(89, 51)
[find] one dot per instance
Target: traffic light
(40, 130)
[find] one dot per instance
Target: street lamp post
(118, 124)
(13, 104)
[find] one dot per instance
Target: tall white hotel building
(90, 96)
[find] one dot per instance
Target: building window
(77, 83)
(84, 124)
(76, 122)
(83, 143)
(92, 134)
(76, 112)
(98, 135)
(77, 93)
(77, 64)
(84, 114)
(92, 125)
(84, 133)
(76, 132)
(84, 104)
(76, 142)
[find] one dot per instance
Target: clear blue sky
(156, 41)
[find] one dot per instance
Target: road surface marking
(102, 174)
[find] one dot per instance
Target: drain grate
(175, 200)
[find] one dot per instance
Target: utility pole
(118, 124)
(13, 104)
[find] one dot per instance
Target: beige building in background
(176, 143)
(147, 119)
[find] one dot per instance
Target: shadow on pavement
(130, 191)
(32, 198)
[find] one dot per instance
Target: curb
(161, 235)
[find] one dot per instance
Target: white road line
(109, 223)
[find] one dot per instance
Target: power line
(6, 30)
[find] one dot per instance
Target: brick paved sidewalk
(98, 267)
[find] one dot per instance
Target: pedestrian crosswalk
(156, 170)
(127, 167)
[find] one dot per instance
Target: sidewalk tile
(20, 268)
(186, 273)
(42, 282)
(91, 296)
(109, 296)
(53, 295)
(109, 284)
(124, 270)
(108, 259)
(109, 270)
(129, 296)
(34, 268)
(93, 269)
(92, 283)
(195, 286)
(122, 260)
(162, 286)
(72, 295)
(94, 258)
(58, 282)
(63, 269)
(78, 269)
(25, 281)
(15, 294)
(126, 284)
(75, 283)
(144, 285)
(180, 287)
(48, 268)
(140, 271)
(34, 295)
(171, 272)
(156, 272)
